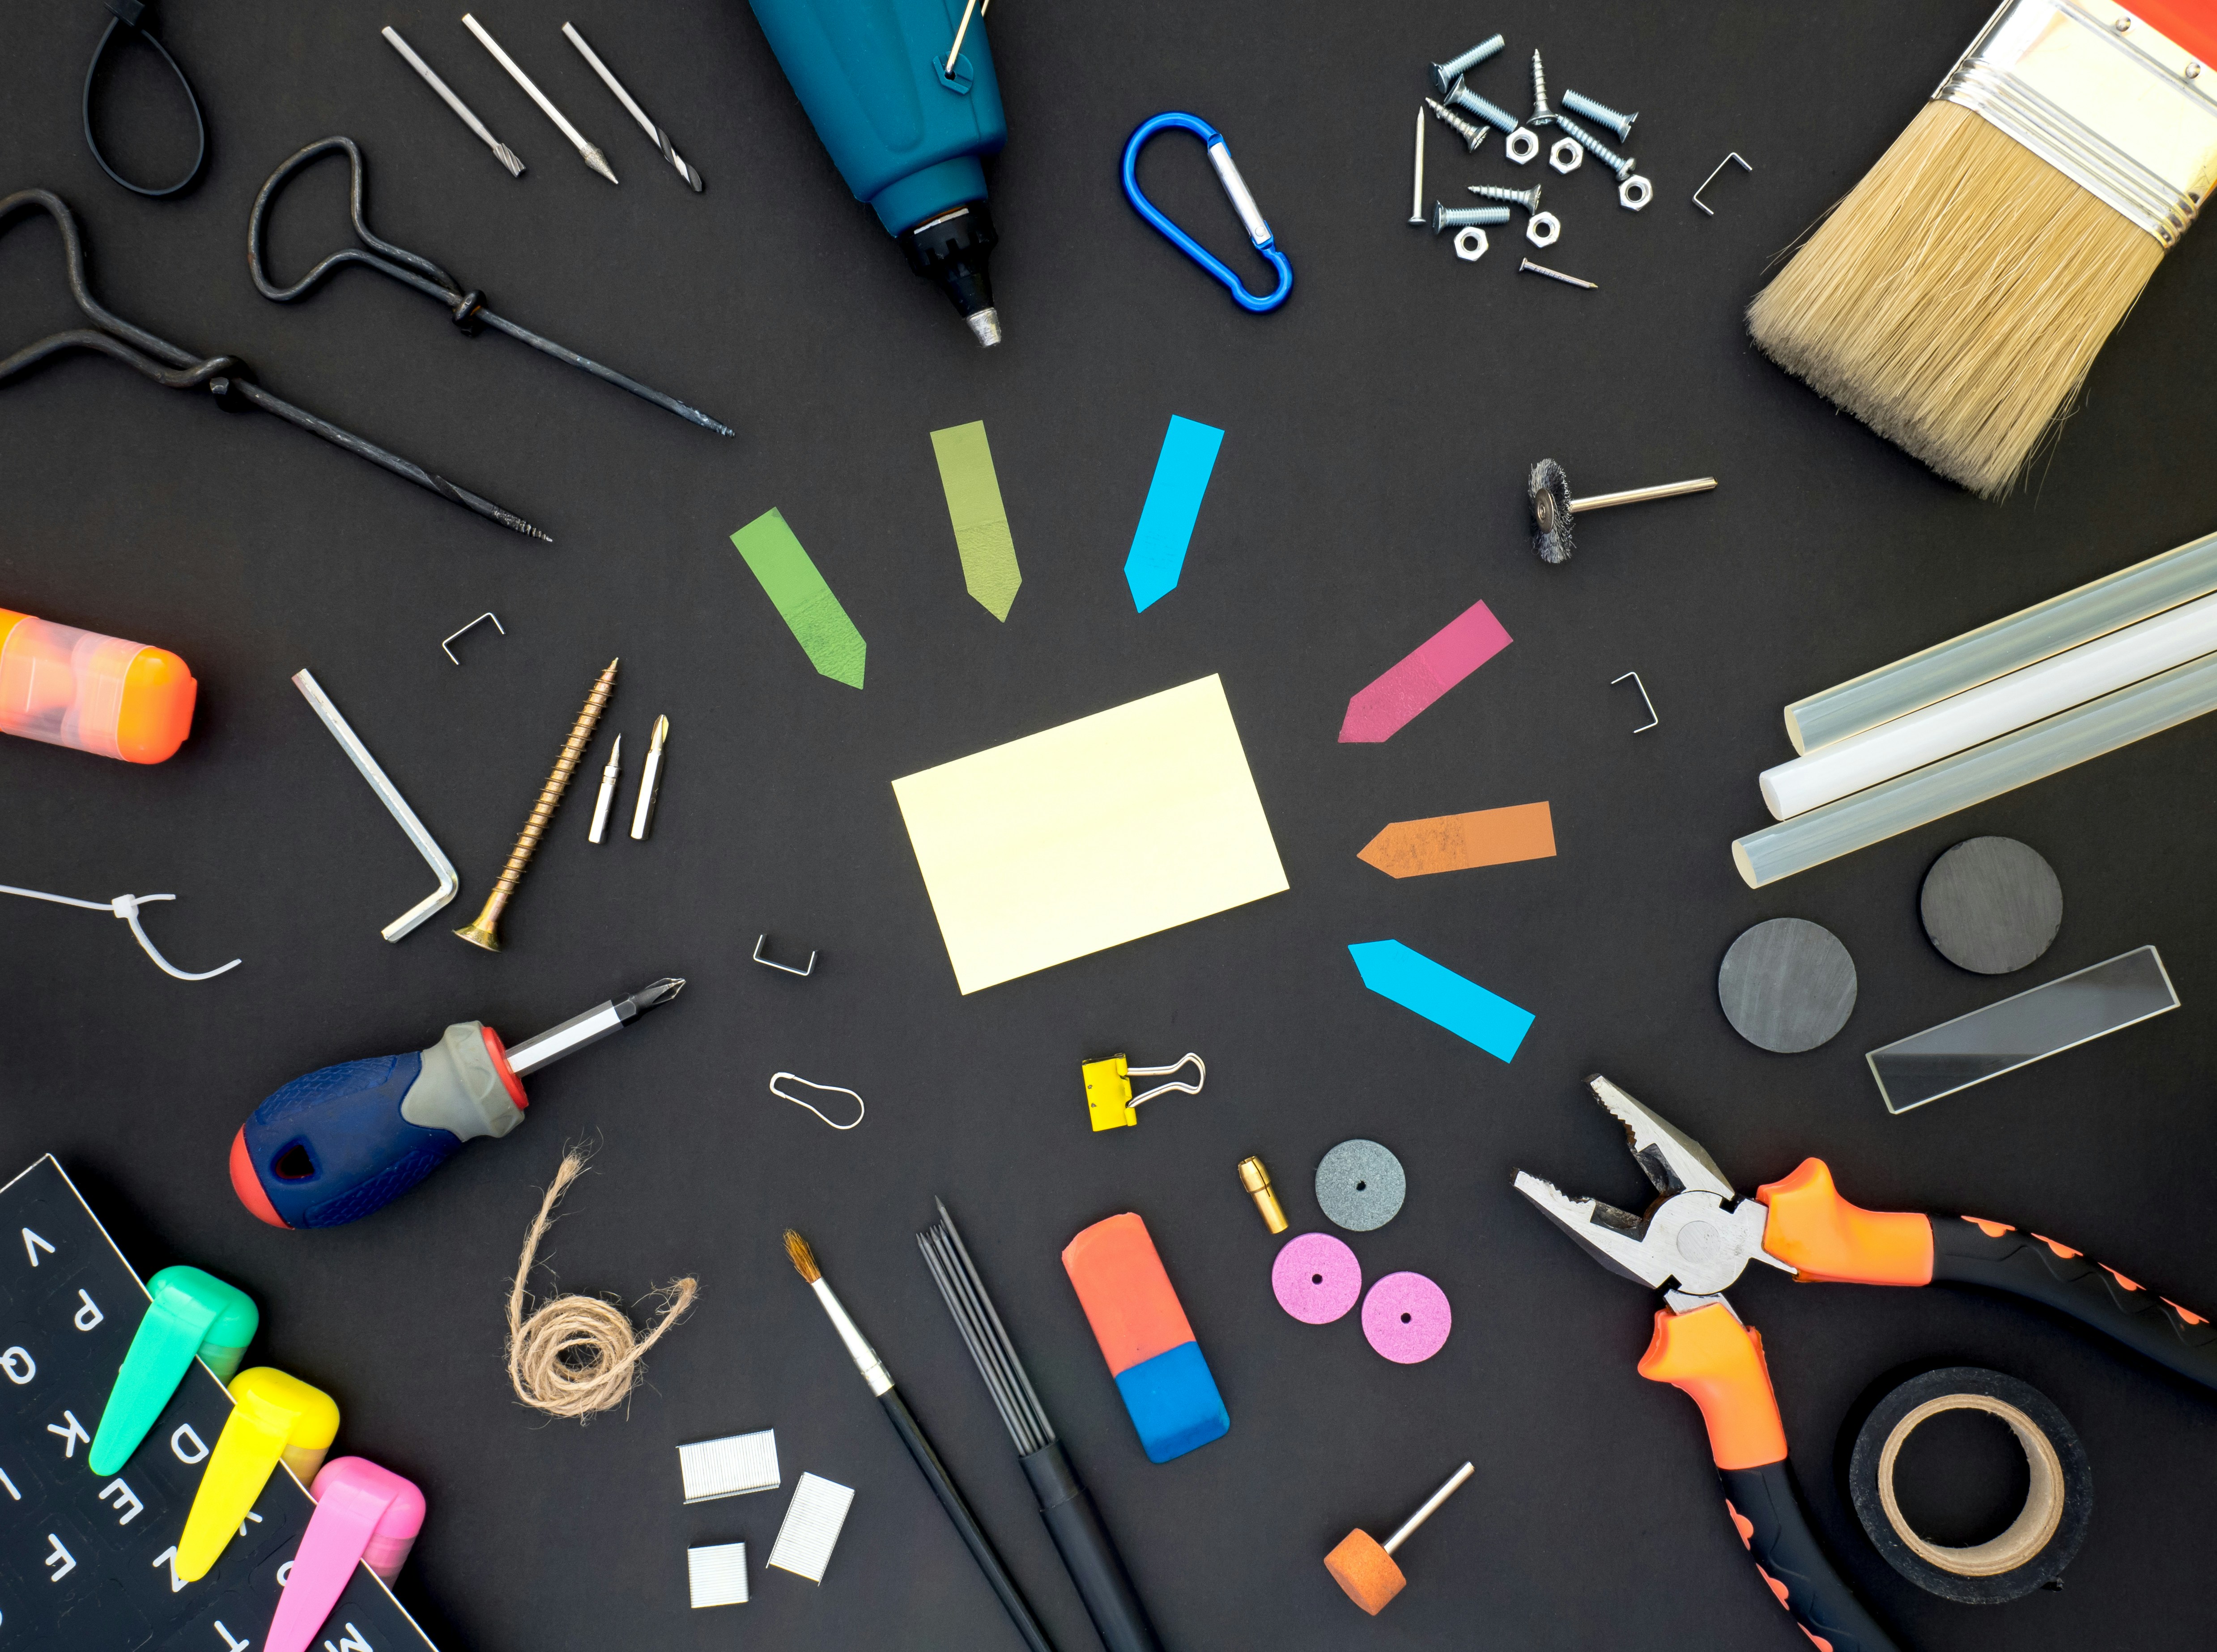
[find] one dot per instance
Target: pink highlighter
(363, 1514)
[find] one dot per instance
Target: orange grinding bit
(1364, 1567)
(1365, 1570)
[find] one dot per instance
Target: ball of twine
(573, 1356)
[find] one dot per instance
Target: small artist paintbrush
(942, 1484)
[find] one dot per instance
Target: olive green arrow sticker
(981, 522)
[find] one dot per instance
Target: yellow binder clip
(1109, 1102)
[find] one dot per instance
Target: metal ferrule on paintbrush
(2104, 97)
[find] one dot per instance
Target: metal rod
(964, 28)
(660, 136)
(501, 152)
(1641, 496)
(450, 883)
(1432, 1504)
(593, 158)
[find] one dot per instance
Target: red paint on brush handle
(2190, 23)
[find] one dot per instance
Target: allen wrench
(479, 620)
(1712, 178)
(1654, 719)
(772, 964)
(450, 883)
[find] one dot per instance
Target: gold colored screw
(480, 931)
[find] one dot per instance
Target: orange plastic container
(71, 687)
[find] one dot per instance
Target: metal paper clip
(1108, 1099)
(1235, 189)
(772, 964)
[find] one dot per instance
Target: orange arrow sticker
(1486, 837)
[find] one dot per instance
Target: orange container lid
(159, 693)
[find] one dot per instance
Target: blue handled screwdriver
(336, 1143)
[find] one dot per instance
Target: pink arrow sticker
(1469, 641)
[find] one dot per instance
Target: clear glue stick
(71, 687)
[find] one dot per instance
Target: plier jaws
(1700, 1233)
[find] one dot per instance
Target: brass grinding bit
(480, 932)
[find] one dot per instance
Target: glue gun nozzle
(986, 323)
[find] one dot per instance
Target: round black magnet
(1992, 905)
(1786, 985)
(2058, 1499)
(1360, 1186)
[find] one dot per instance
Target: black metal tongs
(224, 377)
(413, 270)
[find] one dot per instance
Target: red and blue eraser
(1146, 1338)
(364, 1514)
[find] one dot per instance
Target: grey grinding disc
(1992, 905)
(1360, 1186)
(1786, 985)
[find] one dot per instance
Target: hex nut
(1567, 156)
(1543, 229)
(1634, 193)
(1470, 243)
(1521, 145)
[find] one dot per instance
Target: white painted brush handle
(2024, 696)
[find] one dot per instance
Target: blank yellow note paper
(1116, 826)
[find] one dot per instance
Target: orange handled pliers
(1699, 1237)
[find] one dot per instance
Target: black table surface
(1370, 487)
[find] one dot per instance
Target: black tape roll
(2046, 1534)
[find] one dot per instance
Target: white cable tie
(861, 1107)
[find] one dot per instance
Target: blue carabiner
(1235, 189)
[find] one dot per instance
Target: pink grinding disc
(1407, 1318)
(1317, 1278)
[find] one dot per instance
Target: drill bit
(593, 157)
(608, 793)
(501, 152)
(660, 136)
(480, 932)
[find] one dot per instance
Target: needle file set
(2012, 702)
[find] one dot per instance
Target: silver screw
(1463, 98)
(1542, 114)
(1527, 199)
(1444, 75)
(1456, 217)
(1579, 103)
(1472, 136)
(1593, 146)
(2193, 71)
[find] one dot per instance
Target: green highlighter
(192, 1313)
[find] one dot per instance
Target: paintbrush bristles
(1955, 301)
(804, 1259)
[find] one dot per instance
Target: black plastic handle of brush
(973, 1535)
(1088, 1553)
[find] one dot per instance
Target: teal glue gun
(904, 129)
(192, 1313)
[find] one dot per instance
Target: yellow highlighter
(275, 1418)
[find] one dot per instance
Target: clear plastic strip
(2017, 1032)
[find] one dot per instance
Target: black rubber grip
(1963, 1253)
(1767, 1512)
(1088, 1553)
(973, 1535)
